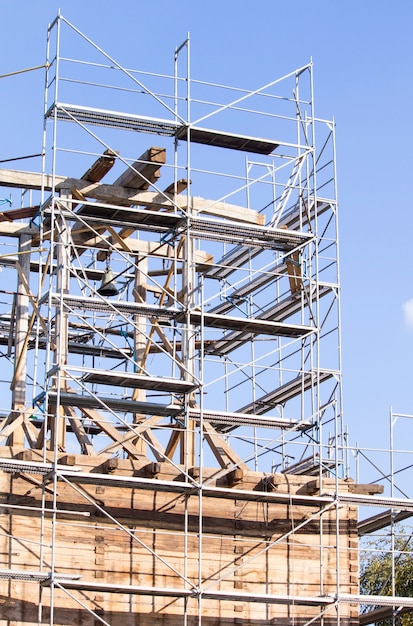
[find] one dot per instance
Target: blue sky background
(362, 53)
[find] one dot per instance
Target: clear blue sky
(363, 57)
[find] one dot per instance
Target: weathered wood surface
(242, 550)
(112, 194)
(27, 180)
(144, 171)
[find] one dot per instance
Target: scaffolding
(174, 352)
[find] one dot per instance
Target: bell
(108, 287)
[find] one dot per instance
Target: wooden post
(21, 329)
(188, 438)
(139, 338)
(58, 421)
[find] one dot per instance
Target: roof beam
(124, 196)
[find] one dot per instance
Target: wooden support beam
(172, 444)
(30, 432)
(18, 214)
(137, 434)
(32, 299)
(86, 445)
(20, 362)
(294, 272)
(101, 166)
(171, 189)
(202, 259)
(146, 167)
(123, 196)
(112, 432)
(13, 422)
(155, 446)
(12, 229)
(21, 331)
(222, 451)
(187, 445)
(139, 338)
(28, 180)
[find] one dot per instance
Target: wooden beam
(222, 451)
(12, 422)
(181, 185)
(111, 194)
(18, 214)
(86, 445)
(138, 176)
(146, 167)
(11, 229)
(32, 299)
(172, 444)
(101, 166)
(94, 174)
(30, 431)
(112, 432)
(155, 446)
(28, 180)
(151, 248)
(20, 333)
(19, 364)
(138, 431)
(294, 272)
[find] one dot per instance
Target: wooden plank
(111, 194)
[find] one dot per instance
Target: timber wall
(153, 542)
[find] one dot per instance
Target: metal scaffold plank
(127, 121)
(381, 520)
(138, 381)
(286, 392)
(253, 325)
(280, 311)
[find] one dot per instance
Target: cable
(29, 156)
(29, 69)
